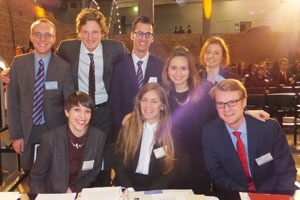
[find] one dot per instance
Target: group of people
(267, 74)
(169, 131)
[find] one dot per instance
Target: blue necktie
(38, 94)
(92, 77)
(139, 74)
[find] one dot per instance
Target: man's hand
(258, 114)
(18, 145)
(4, 75)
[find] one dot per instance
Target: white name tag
(88, 165)
(51, 85)
(159, 152)
(264, 159)
(152, 80)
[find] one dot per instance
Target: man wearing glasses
(39, 84)
(133, 70)
(242, 153)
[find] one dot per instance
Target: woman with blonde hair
(145, 152)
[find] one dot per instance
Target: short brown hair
(90, 14)
(79, 98)
(143, 19)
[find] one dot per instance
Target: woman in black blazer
(145, 152)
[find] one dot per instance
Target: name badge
(264, 159)
(159, 152)
(51, 85)
(88, 165)
(152, 80)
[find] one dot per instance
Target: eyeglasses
(231, 103)
(141, 34)
(39, 35)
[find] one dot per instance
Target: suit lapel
(149, 69)
(252, 141)
(30, 64)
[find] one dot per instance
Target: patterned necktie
(139, 74)
(38, 94)
(243, 158)
(92, 77)
(92, 85)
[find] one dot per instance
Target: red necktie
(243, 158)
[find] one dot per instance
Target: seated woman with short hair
(69, 157)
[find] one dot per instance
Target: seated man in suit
(242, 153)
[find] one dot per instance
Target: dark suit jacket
(124, 86)
(50, 172)
(222, 72)
(126, 176)
(278, 78)
(223, 164)
(112, 49)
(20, 94)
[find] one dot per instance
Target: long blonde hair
(131, 133)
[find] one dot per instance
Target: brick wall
(16, 17)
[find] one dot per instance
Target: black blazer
(124, 85)
(50, 172)
(112, 49)
(126, 176)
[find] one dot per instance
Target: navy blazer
(124, 86)
(126, 176)
(223, 164)
(50, 172)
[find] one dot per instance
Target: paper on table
(244, 196)
(63, 196)
(101, 193)
(211, 198)
(9, 195)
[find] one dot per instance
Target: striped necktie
(92, 77)
(139, 74)
(38, 94)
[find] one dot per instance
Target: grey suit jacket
(20, 94)
(50, 172)
(112, 49)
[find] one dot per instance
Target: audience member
(175, 30)
(189, 29)
(145, 146)
(241, 71)
(214, 56)
(282, 76)
(181, 31)
(248, 155)
(39, 84)
(191, 108)
(68, 157)
(19, 50)
(133, 70)
(259, 79)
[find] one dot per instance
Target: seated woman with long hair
(145, 152)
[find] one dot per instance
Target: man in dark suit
(35, 108)
(126, 80)
(91, 29)
(282, 76)
(266, 165)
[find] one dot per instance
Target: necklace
(184, 102)
(76, 145)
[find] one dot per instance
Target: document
(63, 196)
(9, 195)
(101, 193)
